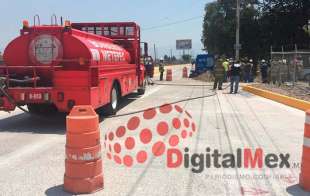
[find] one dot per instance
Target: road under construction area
(196, 142)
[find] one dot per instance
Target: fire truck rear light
(22, 96)
(46, 96)
(60, 96)
(67, 24)
(25, 24)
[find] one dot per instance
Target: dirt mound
(298, 91)
(206, 77)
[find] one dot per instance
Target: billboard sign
(185, 44)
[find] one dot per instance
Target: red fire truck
(54, 67)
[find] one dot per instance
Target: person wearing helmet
(149, 66)
(219, 74)
(161, 69)
(264, 70)
(226, 67)
(247, 71)
(235, 77)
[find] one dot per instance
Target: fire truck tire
(112, 107)
(42, 109)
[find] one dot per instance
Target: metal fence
(289, 66)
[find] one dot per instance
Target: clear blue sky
(147, 13)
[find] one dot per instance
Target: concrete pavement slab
(223, 122)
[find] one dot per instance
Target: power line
(172, 23)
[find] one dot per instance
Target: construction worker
(149, 65)
(243, 62)
(247, 71)
(264, 71)
(235, 77)
(161, 69)
(231, 63)
(219, 74)
(226, 67)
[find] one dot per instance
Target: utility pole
(237, 47)
(155, 53)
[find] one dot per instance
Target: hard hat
(161, 59)
(237, 65)
(251, 61)
(263, 61)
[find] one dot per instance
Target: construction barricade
(83, 164)
(305, 164)
(169, 75)
(185, 73)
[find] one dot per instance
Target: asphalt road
(32, 148)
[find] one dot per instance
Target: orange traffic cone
(83, 165)
(305, 164)
(169, 75)
(185, 74)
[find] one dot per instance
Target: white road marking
(14, 157)
(150, 92)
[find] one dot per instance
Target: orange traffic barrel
(169, 75)
(304, 179)
(185, 74)
(83, 164)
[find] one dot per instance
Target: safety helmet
(263, 61)
(251, 60)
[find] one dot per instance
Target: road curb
(289, 101)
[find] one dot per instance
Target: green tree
(282, 22)
(167, 58)
(263, 24)
(186, 57)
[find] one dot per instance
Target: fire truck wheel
(42, 109)
(112, 107)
